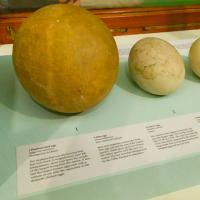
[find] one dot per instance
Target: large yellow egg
(65, 58)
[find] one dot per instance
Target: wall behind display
(33, 4)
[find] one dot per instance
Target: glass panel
(23, 5)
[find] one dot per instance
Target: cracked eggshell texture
(156, 66)
(194, 56)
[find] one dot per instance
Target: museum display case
(122, 17)
(61, 139)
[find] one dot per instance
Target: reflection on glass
(16, 5)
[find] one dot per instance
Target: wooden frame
(123, 21)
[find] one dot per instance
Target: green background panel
(169, 2)
(22, 121)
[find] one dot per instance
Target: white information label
(59, 162)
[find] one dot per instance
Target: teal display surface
(22, 121)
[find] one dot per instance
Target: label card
(69, 160)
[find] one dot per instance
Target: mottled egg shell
(156, 66)
(194, 56)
